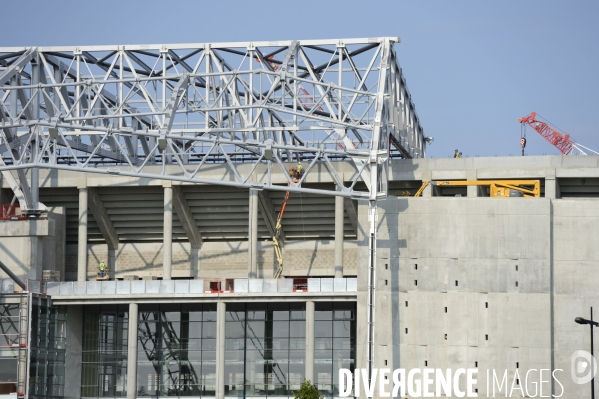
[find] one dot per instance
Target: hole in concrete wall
(475, 390)
(415, 282)
(445, 309)
(516, 267)
(486, 304)
(406, 330)
(387, 266)
(386, 282)
(415, 266)
(517, 365)
(425, 363)
(517, 381)
(456, 283)
(486, 337)
(516, 283)
(446, 337)
(406, 304)
(385, 362)
(475, 364)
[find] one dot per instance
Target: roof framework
(125, 109)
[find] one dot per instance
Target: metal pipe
(17, 280)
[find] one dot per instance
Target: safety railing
(196, 287)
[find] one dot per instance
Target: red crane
(562, 142)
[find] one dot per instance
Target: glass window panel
(210, 315)
(279, 343)
(297, 329)
(208, 344)
(257, 343)
(194, 330)
(255, 329)
(209, 330)
(297, 343)
(323, 311)
(280, 329)
(235, 329)
(234, 343)
(342, 343)
(235, 315)
(323, 328)
(279, 311)
(342, 329)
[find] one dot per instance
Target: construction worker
(460, 155)
(102, 268)
(300, 169)
(455, 154)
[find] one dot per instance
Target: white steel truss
(123, 110)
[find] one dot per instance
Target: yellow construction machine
(501, 188)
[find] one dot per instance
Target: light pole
(592, 324)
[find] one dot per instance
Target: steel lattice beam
(124, 109)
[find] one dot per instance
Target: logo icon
(583, 367)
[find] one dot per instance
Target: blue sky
(473, 67)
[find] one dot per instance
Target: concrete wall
(471, 282)
(29, 246)
(218, 259)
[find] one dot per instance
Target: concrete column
(253, 235)
(132, 352)
(112, 263)
(73, 351)
(167, 245)
(339, 224)
(551, 188)
(82, 241)
(310, 340)
(220, 349)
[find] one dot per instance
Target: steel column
(132, 352)
(310, 312)
(82, 240)
(339, 236)
(167, 243)
(220, 349)
(253, 235)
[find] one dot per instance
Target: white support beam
(102, 219)
(186, 217)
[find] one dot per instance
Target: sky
(473, 67)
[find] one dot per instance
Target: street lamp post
(592, 324)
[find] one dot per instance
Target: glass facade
(176, 350)
(265, 349)
(104, 362)
(9, 347)
(334, 344)
(47, 351)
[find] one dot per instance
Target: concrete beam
(310, 312)
(270, 215)
(102, 219)
(186, 217)
(253, 234)
(352, 213)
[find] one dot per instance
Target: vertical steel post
(167, 246)
(82, 240)
(592, 363)
(253, 235)
(221, 311)
(310, 312)
(372, 215)
(132, 352)
(339, 236)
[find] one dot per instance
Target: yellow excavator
(497, 188)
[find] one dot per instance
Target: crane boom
(560, 141)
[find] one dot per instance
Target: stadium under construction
(229, 219)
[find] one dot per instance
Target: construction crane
(501, 188)
(563, 142)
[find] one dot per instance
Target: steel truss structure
(125, 109)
